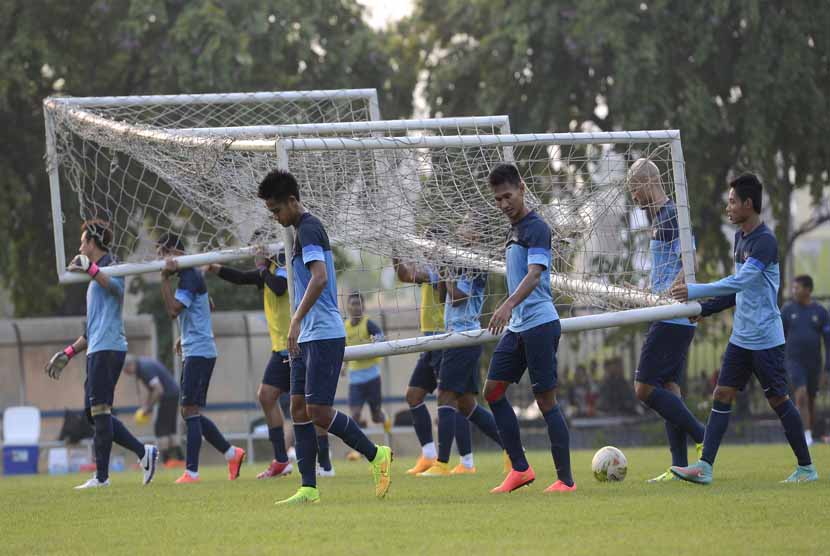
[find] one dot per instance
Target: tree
(747, 83)
(128, 47)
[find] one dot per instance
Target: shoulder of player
(533, 225)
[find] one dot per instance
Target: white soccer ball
(609, 464)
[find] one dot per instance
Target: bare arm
(502, 315)
(171, 304)
(457, 297)
(153, 395)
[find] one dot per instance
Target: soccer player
(189, 303)
(163, 391)
(757, 342)
(532, 336)
(106, 347)
(316, 342)
(666, 347)
(424, 379)
(458, 380)
(805, 323)
(364, 374)
(271, 278)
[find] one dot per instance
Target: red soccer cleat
(559, 486)
(276, 469)
(186, 478)
(515, 479)
(235, 463)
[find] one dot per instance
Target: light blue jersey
(753, 289)
(466, 314)
(664, 247)
(530, 243)
(104, 323)
(323, 321)
(194, 320)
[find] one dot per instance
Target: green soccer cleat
(665, 477)
(699, 473)
(305, 495)
(803, 474)
(381, 468)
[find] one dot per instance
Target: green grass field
(745, 511)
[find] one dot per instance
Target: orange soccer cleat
(515, 479)
(235, 463)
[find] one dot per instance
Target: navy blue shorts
(316, 370)
(664, 353)
(425, 375)
(767, 365)
(166, 416)
(196, 373)
(460, 369)
(102, 371)
(366, 392)
(278, 371)
(533, 350)
(803, 374)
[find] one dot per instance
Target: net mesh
(425, 203)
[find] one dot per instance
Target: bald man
(663, 356)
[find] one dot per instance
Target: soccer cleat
(382, 470)
(235, 463)
(387, 425)
(187, 478)
(803, 474)
(304, 495)
(276, 469)
(148, 462)
(461, 469)
(421, 465)
(559, 486)
(93, 483)
(174, 464)
(438, 469)
(515, 479)
(699, 473)
(325, 472)
(665, 477)
(506, 466)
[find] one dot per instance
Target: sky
(382, 12)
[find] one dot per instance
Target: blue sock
(508, 426)
(715, 429)
(103, 445)
(560, 444)
(484, 420)
(213, 436)
(463, 436)
(123, 437)
(347, 430)
(422, 423)
(794, 430)
(672, 409)
(305, 443)
(323, 455)
(277, 438)
(194, 442)
(446, 431)
(677, 445)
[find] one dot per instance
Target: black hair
(748, 186)
(805, 280)
(505, 174)
(356, 295)
(278, 186)
(98, 231)
(171, 241)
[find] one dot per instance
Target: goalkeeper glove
(55, 366)
(81, 263)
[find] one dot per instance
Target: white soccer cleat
(93, 483)
(148, 462)
(325, 473)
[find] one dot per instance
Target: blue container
(20, 460)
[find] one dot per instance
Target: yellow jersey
(277, 312)
(359, 334)
(432, 309)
